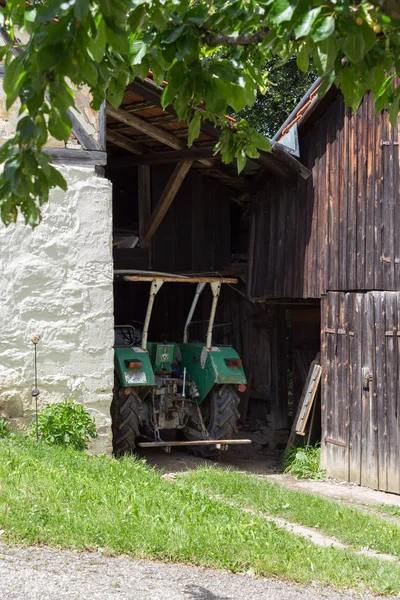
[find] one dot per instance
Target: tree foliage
(211, 52)
(286, 88)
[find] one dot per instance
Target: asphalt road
(49, 574)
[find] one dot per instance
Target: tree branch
(246, 39)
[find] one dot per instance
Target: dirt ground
(252, 458)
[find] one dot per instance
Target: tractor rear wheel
(219, 411)
(125, 419)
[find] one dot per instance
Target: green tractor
(186, 387)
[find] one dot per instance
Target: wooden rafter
(159, 158)
(124, 142)
(169, 193)
(157, 133)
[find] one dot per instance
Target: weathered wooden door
(361, 388)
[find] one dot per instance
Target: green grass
(350, 525)
(68, 499)
(388, 509)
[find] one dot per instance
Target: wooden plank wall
(340, 230)
(195, 234)
(361, 388)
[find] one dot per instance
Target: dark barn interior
(182, 211)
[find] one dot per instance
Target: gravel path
(48, 574)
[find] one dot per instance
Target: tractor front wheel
(125, 419)
(219, 411)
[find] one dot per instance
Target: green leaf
(26, 128)
(224, 71)
(81, 9)
(171, 36)
(302, 58)
(175, 77)
(241, 162)
(238, 98)
(261, 142)
(138, 51)
(194, 129)
(369, 36)
(188, 46)
(324, 29)
(59, 127)
(306, 22)
(12, 75)
(378, 79)
(56, 179)
(136, 18)
(324, 55)
(118, 40)
(349, 86)
(394, 111)
(353, 47)
(97, 45)
(115, 92)
(280, 11)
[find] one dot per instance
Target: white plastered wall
(56, 280)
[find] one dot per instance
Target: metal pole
(35, 391)
(155, 286)
(200, 287)
(215, 288)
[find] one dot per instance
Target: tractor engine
(172, 397)
(169, 405)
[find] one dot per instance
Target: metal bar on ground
(196, 443)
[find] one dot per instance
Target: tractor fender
(209, 367)
(133, 367)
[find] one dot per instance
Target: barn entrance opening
(304, 346)
(181, 211)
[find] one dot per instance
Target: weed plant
(66, 424)
(303, 462)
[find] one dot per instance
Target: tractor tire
(220, 418)
(125, 420)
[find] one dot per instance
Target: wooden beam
(158, 158)
(126, 143)
(63, 156)
(102, 126)
(141, 125)
(169, 193)
(144, 198)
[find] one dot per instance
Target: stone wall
(56, 280)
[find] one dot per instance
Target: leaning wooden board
(307, 398)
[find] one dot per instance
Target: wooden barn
(330, 247)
